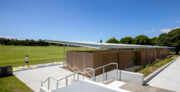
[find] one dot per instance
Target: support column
(64, 48)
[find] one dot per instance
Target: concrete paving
(21, 68)
(138, 88)
(33, 77)
(169, 78)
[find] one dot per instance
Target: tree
(100, 41)
(153, 40)
(127, 40)
(162, 40)
(112, 40)
(26, 42)
(174, 39)
(142, 40)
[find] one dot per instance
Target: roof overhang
(107, 45)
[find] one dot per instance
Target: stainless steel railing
(78, 73)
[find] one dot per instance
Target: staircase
(52, 83)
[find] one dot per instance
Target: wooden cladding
(78, 60)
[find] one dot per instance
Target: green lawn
(15, 55)
(12, 84)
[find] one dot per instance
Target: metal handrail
(80, 72)
(104, 69)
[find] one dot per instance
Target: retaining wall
(136, 78)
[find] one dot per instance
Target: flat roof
(106, 45)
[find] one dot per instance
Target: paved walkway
(168, 78)
(33, 77)
(138, 88)
(134, 87)
(21, 68)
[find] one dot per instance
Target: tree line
(26, 42)
(171, 39)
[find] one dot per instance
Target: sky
(87, 20)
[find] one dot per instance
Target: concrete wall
(42, 89)
(131, 77)
(127, 76)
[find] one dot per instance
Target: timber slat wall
(78, 60)
(141, 57)
(125, 59)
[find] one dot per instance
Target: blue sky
(87, 20)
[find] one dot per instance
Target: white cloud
(165, 30)
(177, 21)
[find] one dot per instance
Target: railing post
(77, 76)
(93, 75)
(117, 71)
(64, 55)
(57, 84)
(49, 83)
(41, 83)
(106, 75)
(74, 77)
(103, 73)
(66, 81)
(120, 75)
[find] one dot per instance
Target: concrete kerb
(148, 78)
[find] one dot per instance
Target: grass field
(12, 84)
(15, 55)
